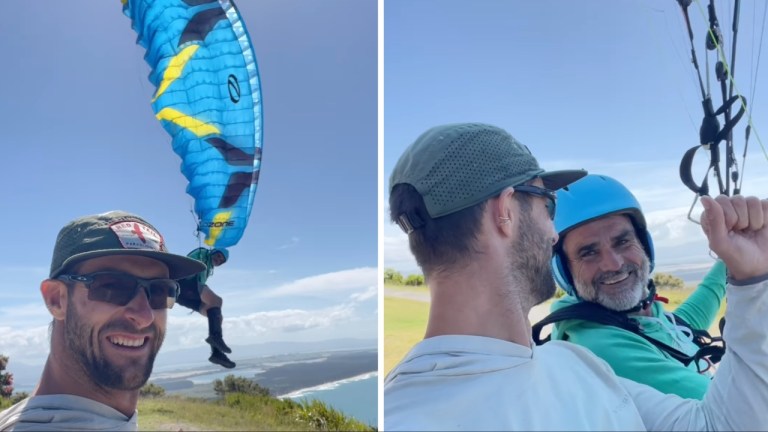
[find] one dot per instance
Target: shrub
(6, 379)
(322, 417)
(18, 397)
(233, 384)
(393, 276)
(151, 390)
(667, 281)
(415, 280)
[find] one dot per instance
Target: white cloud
(291, 320)
(671, 227)
(291, 243)
(397, 252)
(244, 326)
(364, 295)
(29, 345)
(24, 315)
(344, 280)
(189, 331)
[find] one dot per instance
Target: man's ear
(503, 211)
(55, 296)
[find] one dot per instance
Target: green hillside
(239, 411)
(257, 411)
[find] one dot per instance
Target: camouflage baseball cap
(456, 166)
(116, 233)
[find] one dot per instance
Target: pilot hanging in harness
(603, 259)
(197, 295)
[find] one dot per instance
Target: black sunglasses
(120, 288)
(542, 192)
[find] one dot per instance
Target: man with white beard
(604, 256)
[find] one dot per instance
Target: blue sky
(602, 85)
(80, 138)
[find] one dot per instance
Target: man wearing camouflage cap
(478, 213)
(111, 282)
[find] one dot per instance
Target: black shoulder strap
(588, 311)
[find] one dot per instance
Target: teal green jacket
(204, 256)
(634, 358)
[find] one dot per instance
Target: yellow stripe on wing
(174, 69)
(219, 222)
(200, 129)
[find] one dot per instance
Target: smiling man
(603, 260)
(111, 282)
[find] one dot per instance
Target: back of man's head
(440, 184)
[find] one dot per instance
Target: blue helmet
(587, 199)
(223, 251)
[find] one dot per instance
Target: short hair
(444, 241)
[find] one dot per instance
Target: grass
(407, 288)
(405, 321)
(177, 413)
(239, 411)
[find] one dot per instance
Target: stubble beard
(80, 338)
(621, 301)
(530, 256)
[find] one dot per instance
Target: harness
(594, 312)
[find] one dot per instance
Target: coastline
(327, 386)
(282, 375)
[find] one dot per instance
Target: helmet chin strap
(644, 302)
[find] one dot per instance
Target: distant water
(356, 397)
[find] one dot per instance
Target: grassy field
(237, 412)
(405, 320)
(175, 413)
(404, 324)
(240, 412)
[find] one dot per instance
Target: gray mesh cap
(456, 166)
(116, 233)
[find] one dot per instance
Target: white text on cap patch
(136, 235)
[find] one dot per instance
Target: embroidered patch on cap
(136, 235)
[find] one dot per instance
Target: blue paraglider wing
(208, 98)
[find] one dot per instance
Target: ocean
(356, 397)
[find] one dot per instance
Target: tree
(393, 276)
(667, 281)
(6, 379)
(151, 390)
(414, 280)
(233, 384)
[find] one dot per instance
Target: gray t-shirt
(64, 412)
